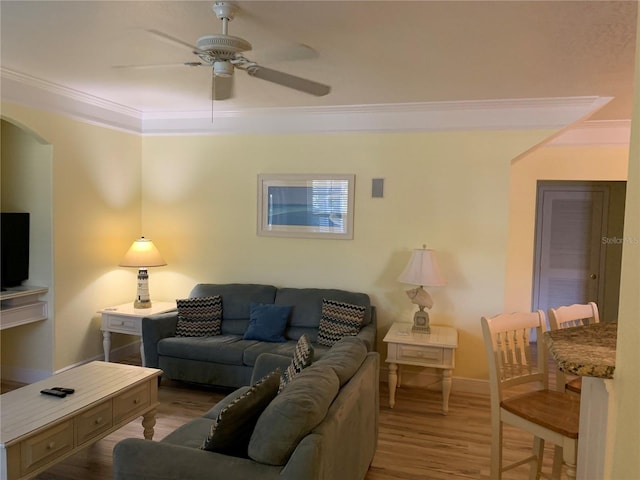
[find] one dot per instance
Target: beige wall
(547, 163)
(448, 190)
(96, 215)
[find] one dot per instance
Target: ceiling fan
(224, 53)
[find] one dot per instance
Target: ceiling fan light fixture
(223, 69)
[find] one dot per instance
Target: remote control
(66, 390)
(54, 393)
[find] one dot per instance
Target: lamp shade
(422, 269)
(142, 253)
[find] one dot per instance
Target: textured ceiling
(370, 52)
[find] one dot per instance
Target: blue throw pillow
(267, 322)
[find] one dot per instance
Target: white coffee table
(38, 431)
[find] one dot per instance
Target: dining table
(589, 351)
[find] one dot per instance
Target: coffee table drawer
(93, 422)
(40, 449)
(131, 402)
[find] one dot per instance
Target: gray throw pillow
(199, 316)
(231, 432)
(302, 358)
(345, 357)
(338, 320)
(295, 412)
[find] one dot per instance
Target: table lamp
(421, 270)
(142, 254)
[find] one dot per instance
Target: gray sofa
(228, 360)
(322, 426)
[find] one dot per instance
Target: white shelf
(21, 305)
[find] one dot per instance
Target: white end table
(436, 350)
(126, 319)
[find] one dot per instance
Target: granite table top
(588, 351)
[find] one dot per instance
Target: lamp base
(421, 322)
(141, 304)
(142, 298)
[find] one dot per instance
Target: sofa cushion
(267, 322)
(339, 320)
(231, 431)
(345, 357)
(302, 358)
(199, 317)
(224, 349)
(290, 416)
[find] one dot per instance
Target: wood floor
(415, 441)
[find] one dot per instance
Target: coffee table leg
(148, 422)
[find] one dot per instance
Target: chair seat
(557, 411)
(575, 385)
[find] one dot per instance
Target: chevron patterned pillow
(339, 320)
(231, 432)
(302, 358)
(199, 317)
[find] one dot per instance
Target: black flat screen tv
(14, 257)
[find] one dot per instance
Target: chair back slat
(511, 359)
(573, 315)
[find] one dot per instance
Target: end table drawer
(130, 403)
(422, 354)
(93, 422)
(40, 449)
(123, 324)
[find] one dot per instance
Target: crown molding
(42, 95)
(595, 133)
(502, 114)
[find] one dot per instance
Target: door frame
(612, 225)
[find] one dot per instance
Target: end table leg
(393, 383)
(446, 390)
(148, 422)
(144, 362)
(106, 344)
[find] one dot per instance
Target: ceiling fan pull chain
(213, 92)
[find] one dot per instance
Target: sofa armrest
(138, 459)
(369, 332)
(154, 329)
(267, 363)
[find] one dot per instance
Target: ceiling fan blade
(288, 80)
(156, 65)
(173, 40)
(287, 53)
(221, 88)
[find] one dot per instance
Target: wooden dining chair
(572, 316)
(548, 415)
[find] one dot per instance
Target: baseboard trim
(430, 378)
